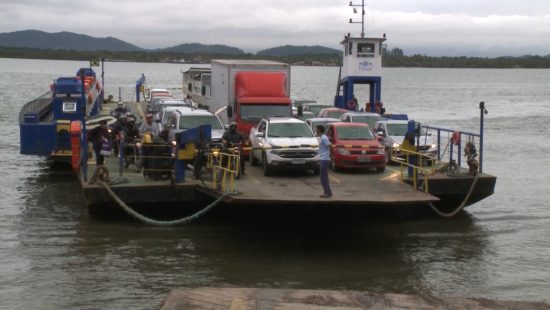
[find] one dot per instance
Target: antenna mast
(362, 22)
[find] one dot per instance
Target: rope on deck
(462, 205)
(150, 221)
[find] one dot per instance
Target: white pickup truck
(284, 142)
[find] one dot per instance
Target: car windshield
(192, 121)
(314, 108)
(354, 133)
(314, 124)
(254, 113)
(307, 115)
(366, 119)
(335, 114)
(289, 130)
(166, 115)
(397, 129)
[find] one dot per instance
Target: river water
(53, 255)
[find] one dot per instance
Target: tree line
(392, 58)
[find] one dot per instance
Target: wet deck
(355, 187)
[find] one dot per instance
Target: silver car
(392, 133)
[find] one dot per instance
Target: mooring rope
(151, 221)
(462, 205)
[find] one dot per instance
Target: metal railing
(146, 152)
(449, 156)
(225, 167)
(422, 165)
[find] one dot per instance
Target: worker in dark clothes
(232, 138)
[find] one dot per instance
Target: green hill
(194, 48)
(63, 41)
(292, 50)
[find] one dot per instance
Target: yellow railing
(225, 167)
(423, 165)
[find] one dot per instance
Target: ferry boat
(47, 121)
(54, 125)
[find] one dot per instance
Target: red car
(354, 146)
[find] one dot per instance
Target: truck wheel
(267, 168)
(253, 160)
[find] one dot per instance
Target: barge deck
(359, 189)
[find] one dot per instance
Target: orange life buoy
(456, 137)
(75, 144)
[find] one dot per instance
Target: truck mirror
(229, 111)
(300, 111)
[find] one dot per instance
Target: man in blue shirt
(324, 154)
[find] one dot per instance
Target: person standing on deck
(98, 136)
(324, 154)
(232, 139)
(149, 133)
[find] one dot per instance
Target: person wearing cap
(120, 110)
(148, 128)
(232, 138)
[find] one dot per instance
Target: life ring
(456, 137)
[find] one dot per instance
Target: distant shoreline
(415, 61)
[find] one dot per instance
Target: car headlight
(395, 145)
(276, 152)
(342, 151)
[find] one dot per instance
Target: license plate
(298, 161)
(363, 159)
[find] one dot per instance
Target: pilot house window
(365, 49)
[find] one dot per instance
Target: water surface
(54, 256)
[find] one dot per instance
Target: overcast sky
(433, 27)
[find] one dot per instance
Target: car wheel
(253, 160)
(380, 169)
(266, 166)
(332, 165)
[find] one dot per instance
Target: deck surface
(349, 187)
(288, 186)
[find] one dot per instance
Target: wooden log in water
(294, 299)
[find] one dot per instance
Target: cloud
(414, 25)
